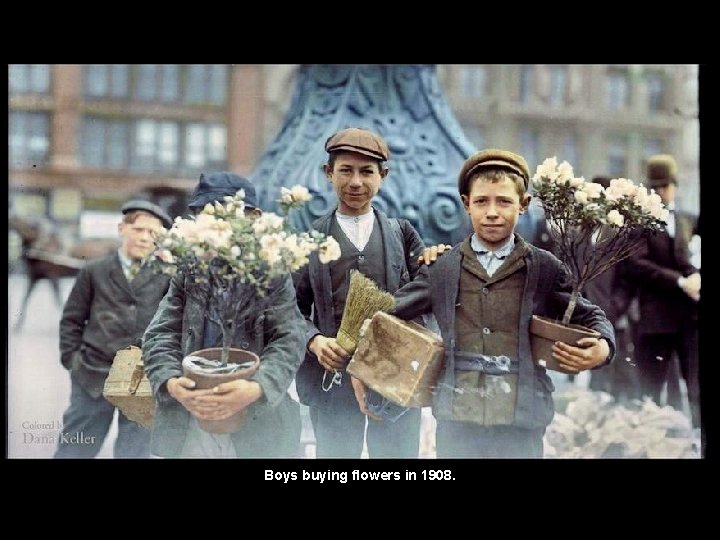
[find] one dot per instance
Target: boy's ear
(525, 203)
(465, 201)
(327, 171)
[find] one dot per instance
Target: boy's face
(494, 209)
(138, 237)
(356, 179)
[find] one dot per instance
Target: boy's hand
(330, 355)
(359, 389)
(589, 353)
(229, 398)
(430, 254)
(182, 389)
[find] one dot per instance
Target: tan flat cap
(359, 140)
(661, 170)
(492, 157)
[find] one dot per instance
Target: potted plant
(233, 258)
(593, 229)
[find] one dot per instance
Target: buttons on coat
(486, 330)
(361, 258)
(485, 290)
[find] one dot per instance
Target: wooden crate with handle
(399, 359)
(128, 388)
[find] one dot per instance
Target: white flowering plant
(594, 227)
(237, 255)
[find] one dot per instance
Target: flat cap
(359, 140)
(214, 186)
(661, 170)
(492, 157)
(147, 206)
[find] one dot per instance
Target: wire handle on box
(336, 379)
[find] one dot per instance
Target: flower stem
(227, 331)
(571, 306)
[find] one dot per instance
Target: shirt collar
(354, 219)
(502, 252)
(124, 259)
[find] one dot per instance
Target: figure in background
(111, 303)
(668, 287)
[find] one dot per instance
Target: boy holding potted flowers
(491, 399)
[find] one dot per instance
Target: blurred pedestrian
(111, 303)
(668, 288)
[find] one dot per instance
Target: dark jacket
(546, 293)
(655, 269)
(401, 244)
(103, 314)
(274, 332)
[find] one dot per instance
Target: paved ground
(38, 386)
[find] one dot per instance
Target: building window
(205, 146)
(617, 157)
(29, 78)
(530, 146)
(206, 84)
(172, 83)
(153, 146)
(558, 84)
(106, 80)
(570, 152)
(618, 90)
(653, 146)
(527, 82)
(156, 146)
(655, 92)
(472, 81)
(29, 139)
(105, 143)
(476, 135)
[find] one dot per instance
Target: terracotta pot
(209, 380)
(545, 332)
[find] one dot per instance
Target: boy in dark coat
(110, 305)
(273, 331)
(492, 400)
(386, 250)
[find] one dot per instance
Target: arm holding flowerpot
(589, 352)
(282, 328)
(162, 350)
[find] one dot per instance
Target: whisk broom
(364, 299)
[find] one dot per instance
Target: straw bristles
(364, 299)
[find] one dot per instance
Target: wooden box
(399, 359)
(129, 389)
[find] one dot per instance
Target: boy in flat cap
(492, 400)
(274, 331)
(668, 293)
(387, 251)
(110, 305)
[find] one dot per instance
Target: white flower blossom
(329, 250)
(615, 218)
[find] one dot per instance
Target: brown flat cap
(359, 140)
(492, 157)
(661, 170)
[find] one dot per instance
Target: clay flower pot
(205, 379)
(545, 332)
